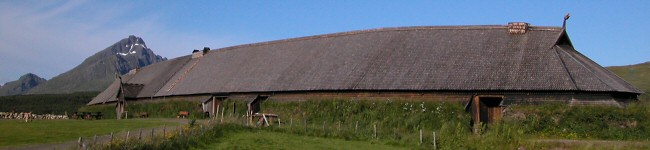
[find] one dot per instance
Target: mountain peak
(29, 75)
(23, 84)
(98, 71)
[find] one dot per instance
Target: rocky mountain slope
(99, 70)
(24, 83)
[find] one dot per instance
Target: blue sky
(50, 37)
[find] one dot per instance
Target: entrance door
(486, 109)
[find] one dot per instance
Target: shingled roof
(454, 58)
(152, 77)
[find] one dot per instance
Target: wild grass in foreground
(263, 139)
(19, 133)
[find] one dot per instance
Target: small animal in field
(183, 114)
(27, 116)
(143, 115)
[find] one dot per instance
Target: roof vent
(196, 54)
(517, 27)
(205, 50)
(199, 53)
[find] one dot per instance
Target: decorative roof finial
(566, 17)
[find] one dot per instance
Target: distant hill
(98, 71)
(637, 75)
(24, 83)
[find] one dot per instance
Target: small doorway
(254, 105)
(486, 108)
(213, 105)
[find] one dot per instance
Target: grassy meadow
(19, 133)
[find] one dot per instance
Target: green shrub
(167, 109)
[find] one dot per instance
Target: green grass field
(261, 139)
(19, 133)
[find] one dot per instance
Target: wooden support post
(279, 125)
(152, 134)
(213, 115)
(140, 134)
(164, 130)
(127, 135)
(95, 140)
(222, 110)
(234, 109)
(216, 115)
(111, 140)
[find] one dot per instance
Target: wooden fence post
(95, 140)
(339, 126)
(356, 127)
(140, 134)
(164, 130)
(374, 125)
(434, 141)
(127, 136)
(420, 136)
(395, 134)
(111, 141)
(152, 134)
(279, 125)
(80, 142)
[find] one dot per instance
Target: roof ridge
(587, 68)
(387, 29)
(557, 53)
(604, 70)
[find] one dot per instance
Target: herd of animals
(27, 116)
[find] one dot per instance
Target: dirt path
(143, 133)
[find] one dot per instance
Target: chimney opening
(517, 27)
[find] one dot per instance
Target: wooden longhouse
(487, 67)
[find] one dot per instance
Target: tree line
(46, 103)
